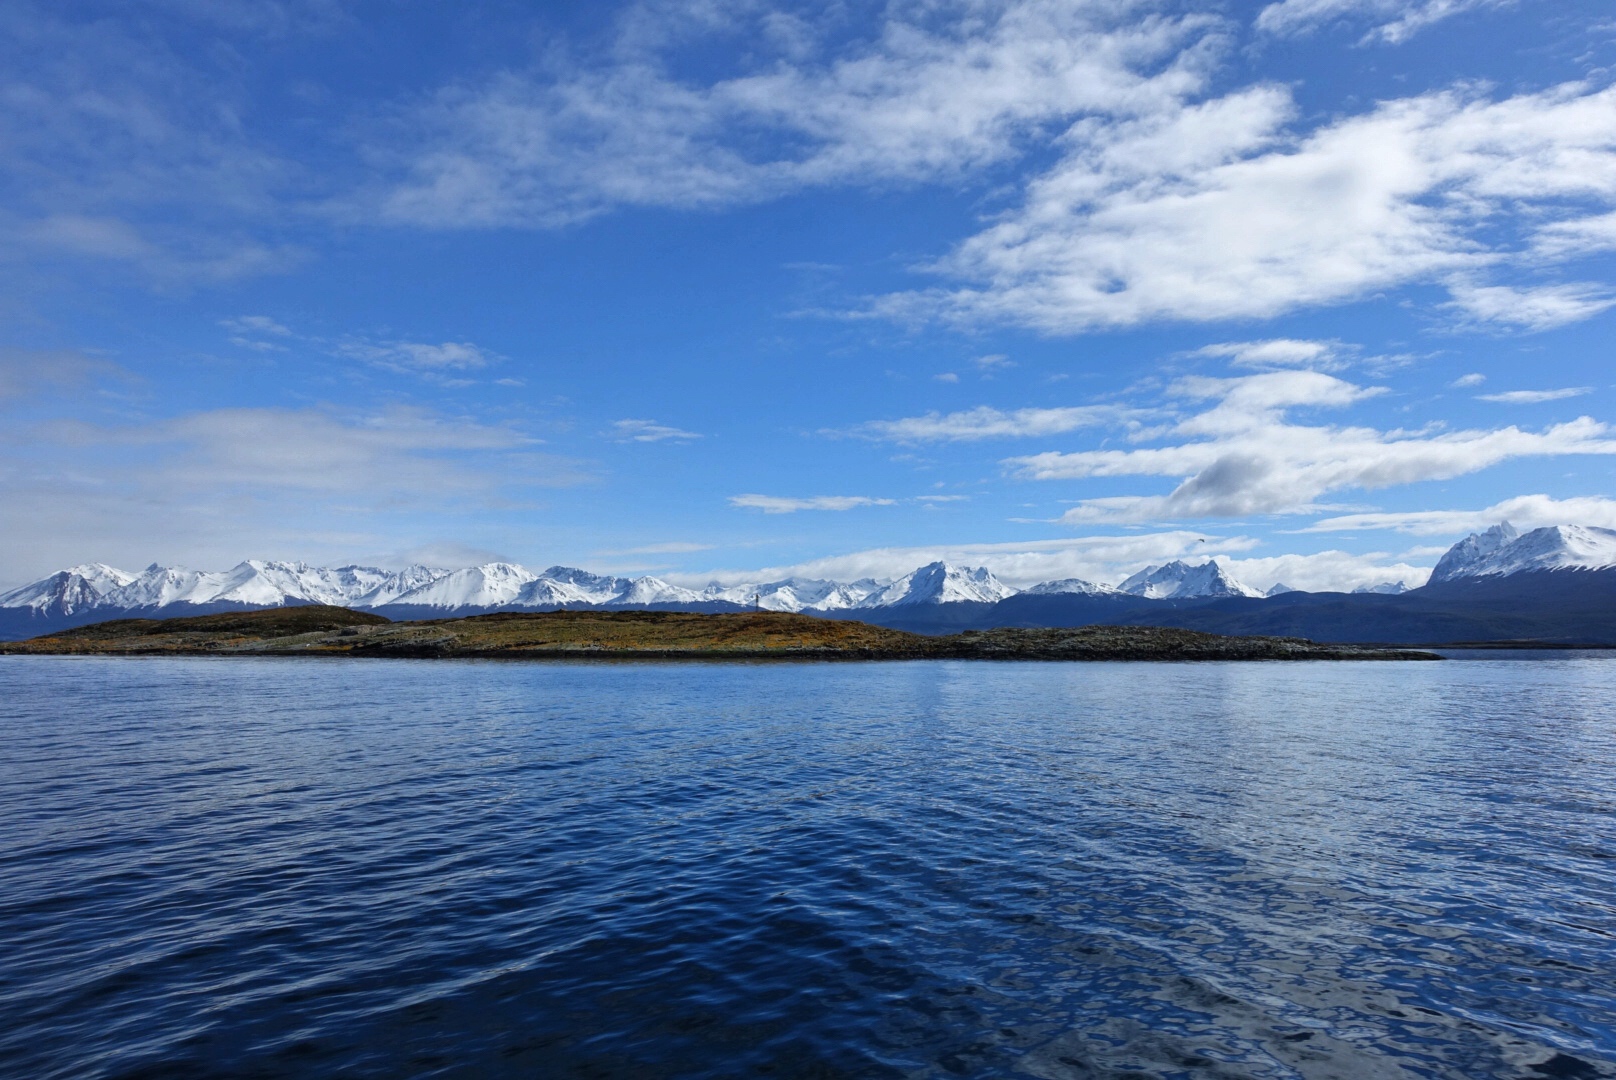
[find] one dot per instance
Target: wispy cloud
(1277, 353)
(1393, 21)
(25, 372)
(923, 98)
(255, 324)
(1535, 397)
(984, 422)
(672, 547)
(419, 357)
(775, 504)
(225, 482)
(649, 431)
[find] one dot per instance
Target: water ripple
(262, 869)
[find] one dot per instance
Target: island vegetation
(334, 631)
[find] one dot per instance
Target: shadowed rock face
(653, 634)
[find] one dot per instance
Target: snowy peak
(1180, 581)
(67, 591)
(940, 583)
(396, 584)
(1278, 588)
(489, 585)
(1474, 550)
(569, 585)
(795, 594)
(1070, 586)
(1385, 588)
(651, 590)
(1500, 552)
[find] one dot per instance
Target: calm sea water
(269, 868)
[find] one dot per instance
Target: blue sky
(706, 289)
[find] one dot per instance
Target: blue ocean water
(294, 868)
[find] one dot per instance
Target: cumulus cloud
(775, 504)
(1524, 511)
(1221, 210)
(1536, 397)
(988, 423)
(1394, 21)
(649, 431)
(1245, 455)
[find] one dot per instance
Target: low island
(645, 635)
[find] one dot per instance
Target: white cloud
(1535, 397)
(1019, 564)
(672, 547)
(988, 423)
(1327, 571)
(255, 324)
(1277, 353)
(126, 145)
(1245, 456)
(1220, 210)
(774, 504)
(1580, 236)
(1103, 559)
(1466, 381)
(1402, 18)
(993, 362)
(649, 431)
(1540, 308)
(419, 357)
(24, 372)
(220, 484)
(926, 98)
(1524, 511)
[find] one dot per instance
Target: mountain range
(938, 597)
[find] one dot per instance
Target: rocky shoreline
(653, 635)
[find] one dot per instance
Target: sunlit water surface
(271, 868)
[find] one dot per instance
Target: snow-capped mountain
(1181, 581)
(68, 591)
(1278, 588)
(1385, 588)
(1501, 552)
(795, 594)
(940, 583)
(1472, 551)
(1070, 586)
(396, 584)
(489, 585)
(569, 585)
(650, 590)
